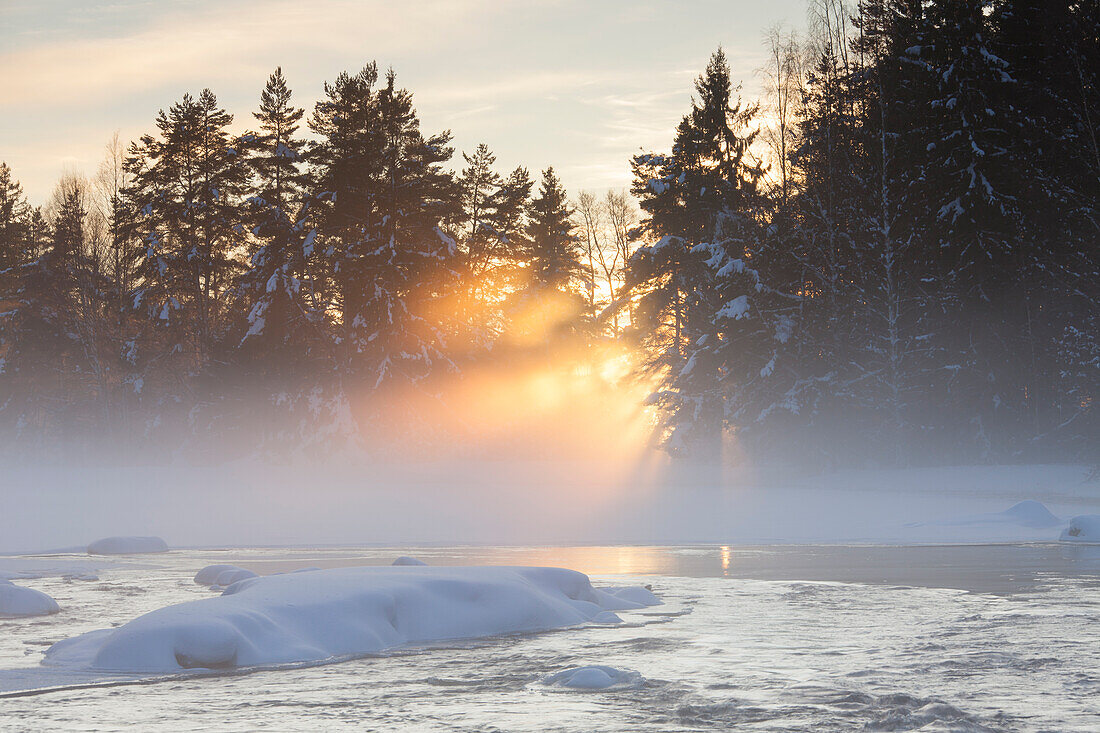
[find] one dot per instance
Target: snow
(209, 574)
(406, 560)
(15, 600)
(633, 594)
(1083, 528)
(1030, 513)
(30, 568)
(595, 677)
(230, 576)
(127, 546)
(736, 309)
(329, 614)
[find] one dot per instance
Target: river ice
(984, 637)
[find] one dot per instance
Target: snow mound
(15, 600)
(1031, 514)
(406, 560)
(633, 594)
(1084, 528)
(228, 577)
(595, 677)
(127, 546)
(209, 574)
(1023, 521)
(30, 568)
(326, 614)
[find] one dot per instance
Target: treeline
(263, 289)
(891, 258)
(918, 275)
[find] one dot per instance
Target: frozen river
(769, 638)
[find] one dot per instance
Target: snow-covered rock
(16, 600)
(633, 594)
(32, 568)
(298, 617)
(1031, 514)
(1027, 520)
(232, 575)
(127, 546)
(222, 576)
(209, 574)
(406, 560)
(595, 677)
(1084, 528)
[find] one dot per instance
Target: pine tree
(185, 194)
(508, 216)
(491, 241)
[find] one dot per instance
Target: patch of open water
(779, 638)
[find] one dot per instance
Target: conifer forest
(890, 255)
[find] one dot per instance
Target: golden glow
(545, 400)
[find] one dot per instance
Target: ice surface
(595, 677)
(15, 600)
(324, 614)
(406, 560)
(1084, 528)
(127, 546)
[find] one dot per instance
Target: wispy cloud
(572, 83)
(220, 42)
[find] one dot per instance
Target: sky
(578, 84)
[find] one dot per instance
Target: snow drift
(326, 614)
(1085, 528)
(15, 600)
(127, 546)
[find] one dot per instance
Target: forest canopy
(892, 255)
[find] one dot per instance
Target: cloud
(563, 82)
(221, 42)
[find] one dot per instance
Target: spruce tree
(14, 215)
(703, 311)
(973, 183)
(277, 288)
(384, 196)
(555, 250)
